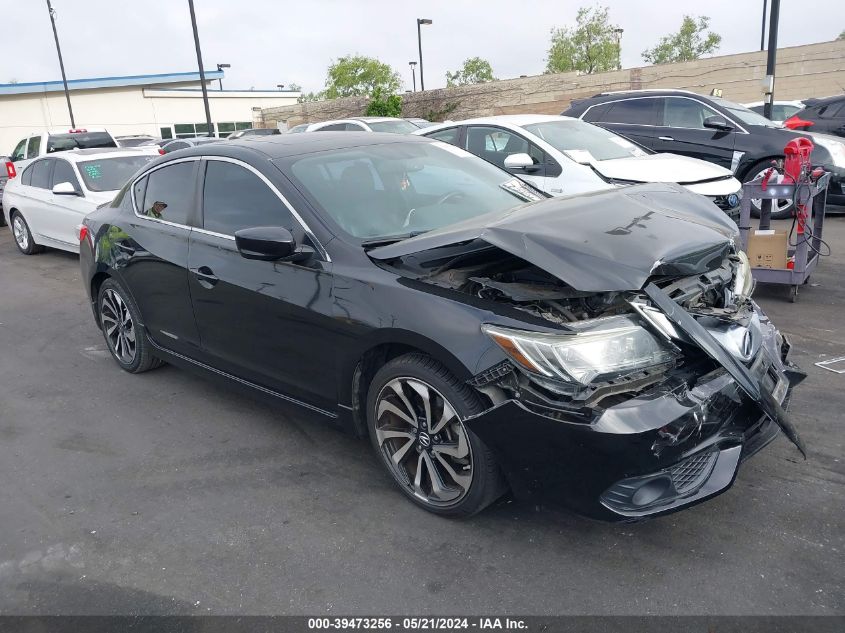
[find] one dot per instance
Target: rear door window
(33, 147)
(632, 112)
(41, 174)
(169, 195)
(334, 127)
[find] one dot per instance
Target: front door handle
(665, 138)
(205, 276)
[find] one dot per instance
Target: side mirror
(65, 189)
(521, 161)
(717, 122)
(269, 243)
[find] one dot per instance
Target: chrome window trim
(669, 96)
(225, 159)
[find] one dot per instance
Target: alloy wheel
(21, 232)
(423, 441)
(118, 326)
(779, 205)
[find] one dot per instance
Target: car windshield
(110, 174)
(576, 137)
(402, 189)
(742, 113)
(400, 126)
(79, 140)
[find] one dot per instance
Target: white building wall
(127, 110)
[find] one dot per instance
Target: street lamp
(219, 68)
(420, 22)
(280, 87)
(618, 33)
(52, 13)
(413, 66)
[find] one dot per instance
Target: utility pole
(420, 22)
(202, 72)
(763, 29)
(771, 59)
(52, 13)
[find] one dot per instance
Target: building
(167, 105)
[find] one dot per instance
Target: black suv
(709, 128)
(827, 115)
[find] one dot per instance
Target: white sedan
(565, 156)
(47, 200)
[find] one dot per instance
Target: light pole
(413, 66)
(420, 22)
(202, 72)
(618, 33)
(771, 58)
(280, 87)
(763, 29)
(52, 13)
(219, 68)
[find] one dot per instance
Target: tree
(475, 71)
(356, 75)
(591, 47)
(841, 36)
(311, 96)
(689, 43)
(295, 87)
(381, 105)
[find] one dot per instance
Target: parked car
(7, 171)
(296, 129)
(134, 140)
(825, 115)
(184, 143)
(254, 132)
(365, 124)
(781, 110)
(565, 156)
(709, 128)
(43, 143)
(47, 201)
(483, 335)
(420, 123)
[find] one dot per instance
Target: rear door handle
(665, 138)
(205, 276)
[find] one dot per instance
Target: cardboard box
(767, 249)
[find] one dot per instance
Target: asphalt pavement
(165, 493)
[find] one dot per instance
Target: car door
(262, 321)
(35, 205)
(153, 252)
(633, 118)
(494, 144)
(64, 212)
(680, 130)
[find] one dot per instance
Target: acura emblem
(425, 440)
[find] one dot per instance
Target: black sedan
(600, 352)
(709, 128)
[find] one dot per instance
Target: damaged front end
(626, 402)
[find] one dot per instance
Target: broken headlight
(595, 351)
(743, 281)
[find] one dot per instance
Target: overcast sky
(268, 42)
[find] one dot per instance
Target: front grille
(689, 474)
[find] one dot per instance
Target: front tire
(121, 324)
(23, 236)
(415, 413)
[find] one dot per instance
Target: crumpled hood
(661, 168)
(603, 241)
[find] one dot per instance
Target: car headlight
(743, 280)
(596, 350)
(836, 149)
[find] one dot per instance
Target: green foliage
(381, 105)
(311, 96)
(356, 75)
(841, 36)
(689, 43)
(591, 46)
(441, 113)
(475, 71)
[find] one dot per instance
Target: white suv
(42, 143)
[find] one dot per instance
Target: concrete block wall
(813, 70)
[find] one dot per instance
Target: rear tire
(120, 322)
(23, 236)
(415, 413)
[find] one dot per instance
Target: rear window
(399, 126)
(81, 140)
(110, 174)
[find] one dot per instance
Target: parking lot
(168, 493)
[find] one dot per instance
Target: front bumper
(671, 446)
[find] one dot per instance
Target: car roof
(284, 145)
(516, 119)
(65, 130)
(92, 153)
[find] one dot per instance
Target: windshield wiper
(392, 239)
